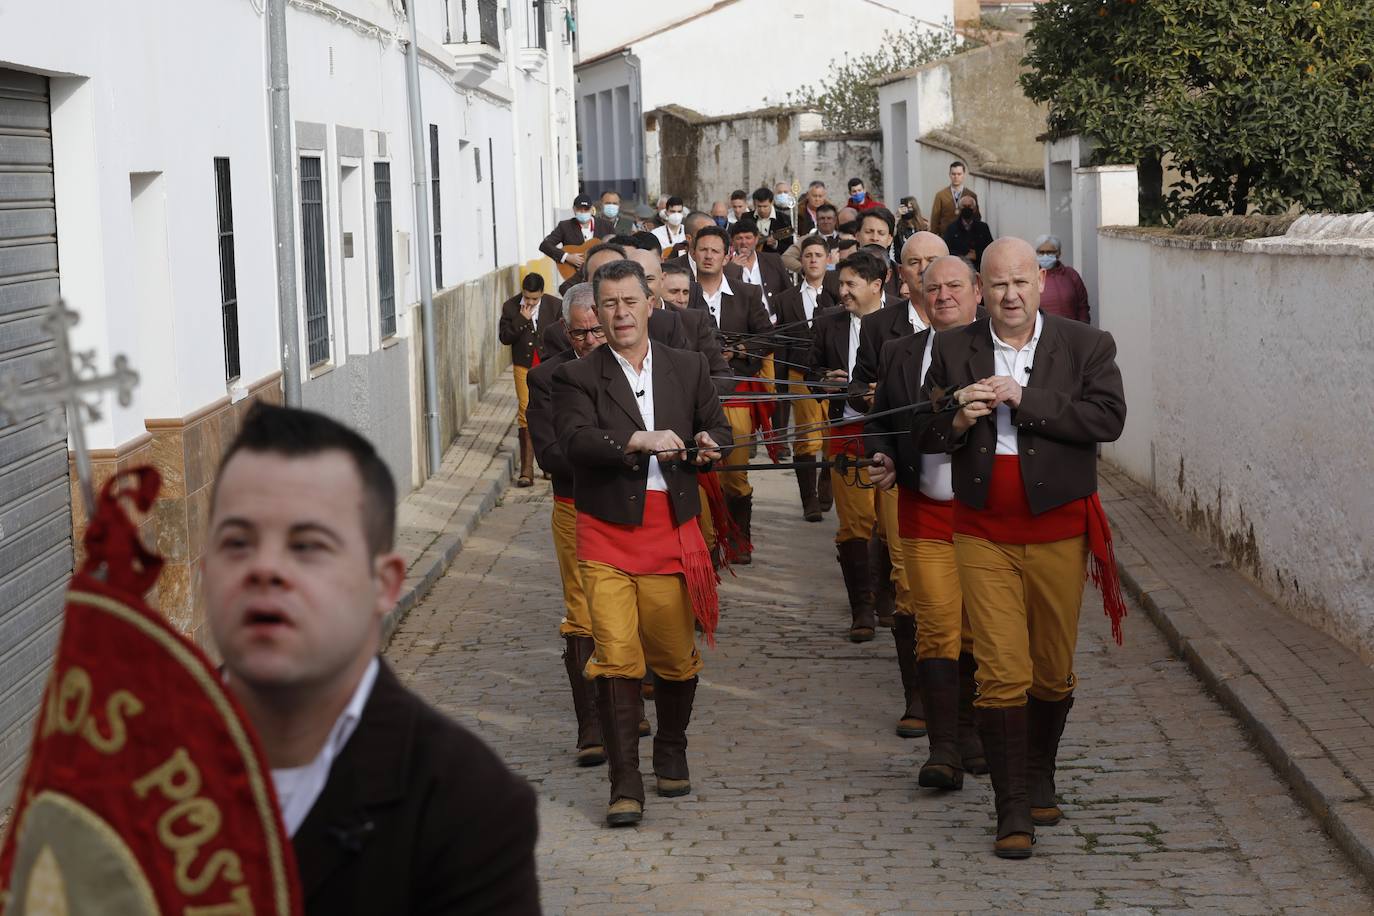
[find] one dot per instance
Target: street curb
(439, 556)
(1339, 805)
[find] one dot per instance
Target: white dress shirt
(668, 236)
(854, 321)
(754, 276)
(298, 788)
(810, 296)
(642, 387)
(917, 325)
(937, 479)
(1009, 361)
(713, 300)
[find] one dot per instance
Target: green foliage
(1257, 103)
(843, 96)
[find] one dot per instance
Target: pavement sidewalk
(1307, 701)
(433, 522)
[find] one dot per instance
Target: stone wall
(470, 355)
(1247, 369)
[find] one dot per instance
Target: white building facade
(136, 180)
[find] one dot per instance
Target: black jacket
(521, 334)
(830, 350)
(681, 329)
(1072, 401)
(595, 414)
(791, 311)
(899, 384)
(975, 238)
(743, 323)
(775, 276)
(539, 417)
(887, 323)
(418, 817)
(569, 232)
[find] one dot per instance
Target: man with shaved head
(1037, 395)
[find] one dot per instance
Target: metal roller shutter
(35, 498)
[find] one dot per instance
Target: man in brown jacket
(524, 320)
(635, 420)
(1039, 393)
(946, 208)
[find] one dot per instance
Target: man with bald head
(1038, 394)
(934, 647)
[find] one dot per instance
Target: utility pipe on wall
(283, 202)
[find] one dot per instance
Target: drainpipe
(419, 176)
(283, 202)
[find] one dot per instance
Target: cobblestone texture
(805, 801)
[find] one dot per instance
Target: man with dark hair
(834, 346)
(582, 227)
(797, 309)
(946, 207)
(524, 319)
(773, 228)
(968, 236)
(694, 223)
(825, 227)
(625, 416)
(739, 205)
(736, 309)
(859, 198)
(671, 236)
(676, 286)
(299, 571)
(586, 334)
(621, 223)
(759, 268)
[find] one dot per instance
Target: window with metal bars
(434, 189)
(315, 273)
(386, 270)
(228, 279)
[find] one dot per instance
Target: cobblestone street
(805, 800)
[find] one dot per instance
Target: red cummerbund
(654, 548)
(846, 440)
(563, 499)
(921, 518)
(1007, 518)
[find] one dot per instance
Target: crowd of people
(942, 391)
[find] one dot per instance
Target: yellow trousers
(768, 372)
(639, 620)
(805, 413)
(1022, 602)
(578, 622)
(736, 483)
(855, 507)
(932, 576)
(887, 527)
(704, 520)
(522, 394)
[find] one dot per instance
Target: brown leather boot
(526, 478)
(824, 496)
(806, 484)
(674, 702)
(577, 651)
(884, 592)
(782, 416)
(1046, 726)
(912, 724)
(742, 511)
(619, 704)
(1004, 742)
(853, 557)
(940, 684)
(970, 745)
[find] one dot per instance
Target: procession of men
(910, 382)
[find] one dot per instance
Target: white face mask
(784, 201)
(675, 219)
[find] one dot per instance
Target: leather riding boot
(577, 651)
(970, 745)
(912, 724)
(806, 484)
(940, 684)
(618, 703)
(853, 557)
(674, 703)
(1045, 721)
(1004, 743)
(823, 494)
(782, 415)
(742, 511)
(880, 568)
(526, 478)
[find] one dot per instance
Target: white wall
(1008, 208)
(1246, 368)
(606, 24)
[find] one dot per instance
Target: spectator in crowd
(946, 208)
(1064, 294)
(720, 214)
(910, 220)
(847, 222)
(774, 228)
(808, 214)
(859, 198)
(739, 205)
(968, 235)
(623, 223)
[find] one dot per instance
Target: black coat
(595, 415)
(775, 276)
(791, 310)
(830, 350)
(418, 817)
(887, 323)
(899, 384)
(539, 417)
(975, 238)
(521, 334)
(681, 329)
(1072, 401)
(569, 232)
(743, 323)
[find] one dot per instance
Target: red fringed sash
(730, 539)
(760, 414)
(1102, 566)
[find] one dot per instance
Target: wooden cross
(75, 376)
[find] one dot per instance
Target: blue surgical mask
(784, 200)
(858, 196)
(1047, 261)
(610, 211)
(721, 221)
(831, 266)
(583, 216)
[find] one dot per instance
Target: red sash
(845, 440)
(921, 518)
(760, 412)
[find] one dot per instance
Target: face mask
(610, 211)
(721, 221)
(663, 215)
(831, 266)
(858, 196)
(967, 216)
(1047, 260)
(583, 216)
(675, 219)
(784, 201)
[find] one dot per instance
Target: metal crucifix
(73, 376)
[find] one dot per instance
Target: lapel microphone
(640, 393)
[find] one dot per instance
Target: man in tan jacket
(946, 208)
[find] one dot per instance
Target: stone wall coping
(1312, 238)
(983, 162)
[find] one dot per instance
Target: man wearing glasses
(586, 334)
